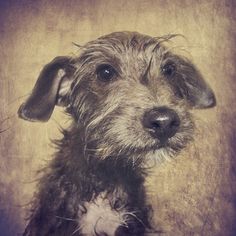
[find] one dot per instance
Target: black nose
(162, 122)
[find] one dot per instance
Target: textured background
(192, 195)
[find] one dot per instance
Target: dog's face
(131, 95)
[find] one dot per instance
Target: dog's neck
(80, 165)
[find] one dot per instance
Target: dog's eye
(106, 73)
(169, 69)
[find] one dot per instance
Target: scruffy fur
(94, 185)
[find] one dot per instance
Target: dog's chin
(149, 155)
(156, 155)
(162, 150)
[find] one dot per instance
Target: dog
(130, 100)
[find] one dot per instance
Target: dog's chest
(100, 217)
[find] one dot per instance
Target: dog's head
(130, 93)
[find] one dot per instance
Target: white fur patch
(100, 218)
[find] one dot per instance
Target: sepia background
(193, 194)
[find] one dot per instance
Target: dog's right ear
(50, 89)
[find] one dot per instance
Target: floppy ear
(191, 85)
(50, 89)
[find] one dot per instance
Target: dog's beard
(108, 139)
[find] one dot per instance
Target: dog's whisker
(66, 218)
(95, 226)
(77, 230)
(133, 215)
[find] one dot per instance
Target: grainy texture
(192, 195)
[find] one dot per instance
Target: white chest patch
(100, 218)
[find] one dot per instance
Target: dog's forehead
(125, 40)
(128, 38)
(122, 46)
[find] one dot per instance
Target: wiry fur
(101, 160)
(73, 179)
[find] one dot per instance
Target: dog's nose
(161, 122)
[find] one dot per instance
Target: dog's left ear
(191, 86)
(50, 89)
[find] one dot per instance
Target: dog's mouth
(169, 145)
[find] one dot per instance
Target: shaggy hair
(94, 185)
